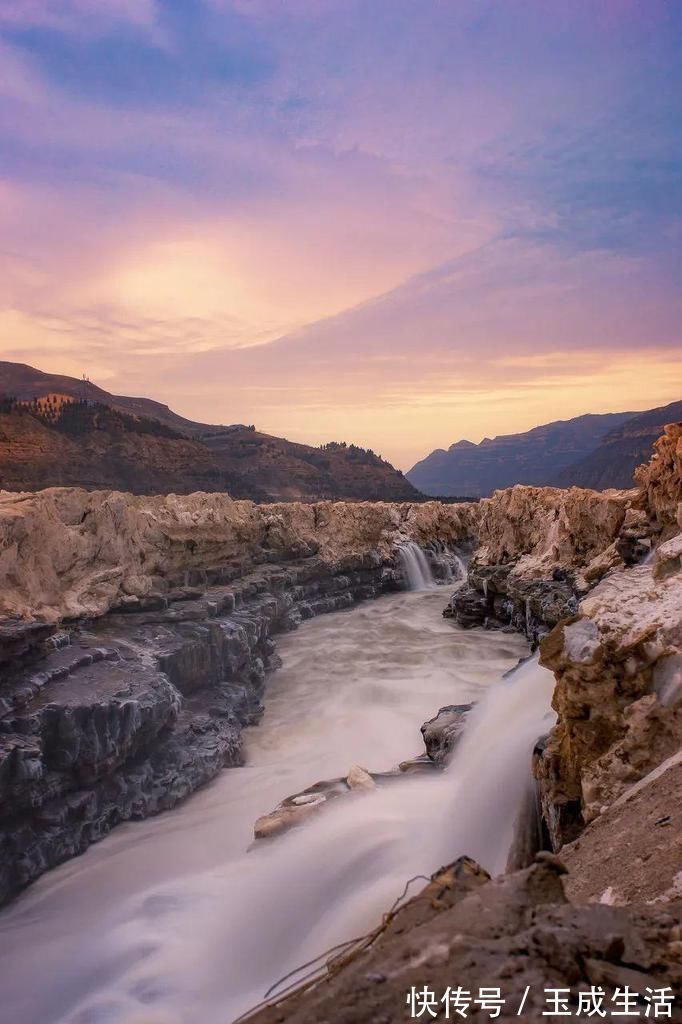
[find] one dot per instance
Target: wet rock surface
(441, 733)
(518, 934)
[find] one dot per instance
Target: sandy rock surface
(661, 480)
(543, 527)
(618, 696)
(517, 934)
(67, 552)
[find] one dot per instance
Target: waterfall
(415, 566)
(649, 557)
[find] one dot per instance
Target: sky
(392, 222)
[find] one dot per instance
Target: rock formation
(137, 636)
(66, 552)
(618, 664)
(539, 551)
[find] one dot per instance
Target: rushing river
(173, 921)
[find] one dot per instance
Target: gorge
(137, 641)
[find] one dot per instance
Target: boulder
(440, 734)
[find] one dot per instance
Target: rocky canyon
(138, 638)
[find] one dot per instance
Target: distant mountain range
(60, 431)
(597, 451)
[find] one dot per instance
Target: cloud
(389, 221)
(82, 17)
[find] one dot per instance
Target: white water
(415, 566)
(170, 921)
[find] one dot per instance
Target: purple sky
(394, 222)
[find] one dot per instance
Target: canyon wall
(618, 665)
(541, 549)
(596, 580)
(137, 635)
(67, 552)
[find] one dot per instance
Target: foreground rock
(632, 853)
(518, 934)
(440, 734)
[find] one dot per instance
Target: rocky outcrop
(120, 717)
(660, 481)
(67, 553)
(618, 666)
(465, 935)
(539, 551)
(599, 577)
(632, 853)
(441, 733)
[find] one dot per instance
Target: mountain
(613, 463)
(25, 382)
(534, 457)
(57, 431)
(598, 451)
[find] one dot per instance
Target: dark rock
(19, 638)
(440, 734)
(493, 597)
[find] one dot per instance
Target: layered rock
(539, 550)
(123, 716)
(660, 481)
(67, 552)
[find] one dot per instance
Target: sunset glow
(396, 224)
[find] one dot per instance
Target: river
(174, 921)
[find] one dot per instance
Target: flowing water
(172, 921)
(415, 566)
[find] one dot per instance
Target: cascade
(415, 566)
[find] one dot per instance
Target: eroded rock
(441, 733)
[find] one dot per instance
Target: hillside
(79, 434)
(598, 451)
(621, 451)
(534, 457)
